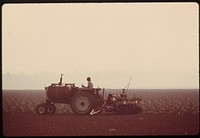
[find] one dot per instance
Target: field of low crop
(153, 101)
(165, 112)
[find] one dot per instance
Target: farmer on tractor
(90, 84)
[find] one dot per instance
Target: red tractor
(86, 100)
(81, 100)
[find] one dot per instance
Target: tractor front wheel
(50, 108)
(45, 108)
(41, 109)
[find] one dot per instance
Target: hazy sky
(156, 44)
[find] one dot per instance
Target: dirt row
(30, 124)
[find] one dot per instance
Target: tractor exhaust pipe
(103, 92)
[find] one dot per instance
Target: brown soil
(31, 124)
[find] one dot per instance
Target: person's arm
(83, 86)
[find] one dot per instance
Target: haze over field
(154, 43)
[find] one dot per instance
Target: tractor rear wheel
(82, 103)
